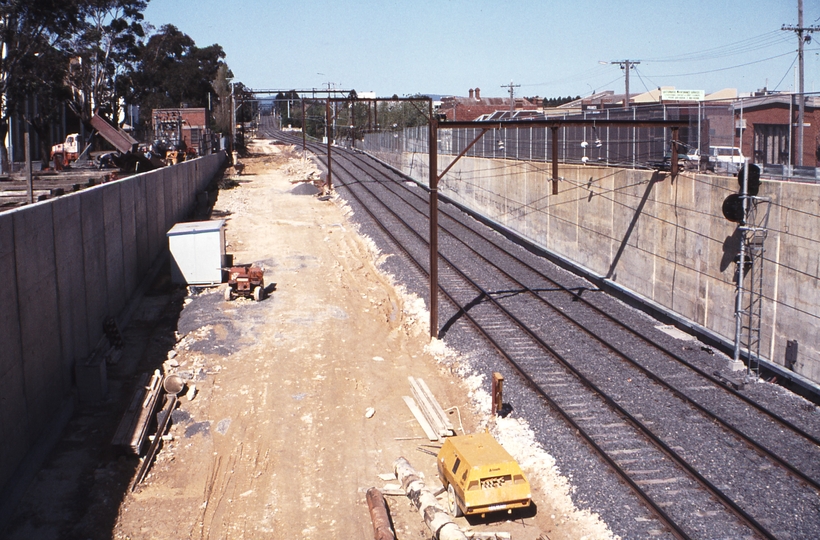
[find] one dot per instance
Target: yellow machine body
(484, 477)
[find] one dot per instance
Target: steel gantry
(434, 125)
(554, 125)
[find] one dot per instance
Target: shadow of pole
(656, 177)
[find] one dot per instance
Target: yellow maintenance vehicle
(480, 476)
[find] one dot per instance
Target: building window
(771, 144)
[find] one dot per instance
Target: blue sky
(549, 48)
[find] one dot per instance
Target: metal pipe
(674, 158)
(379, 515)
(741, 263)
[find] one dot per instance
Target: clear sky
(550, 48)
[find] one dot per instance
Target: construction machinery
(480, 476)
(246, 280)
(126, 156)
(66, 152)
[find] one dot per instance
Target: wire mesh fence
(636, 147)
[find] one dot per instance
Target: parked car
(729, 158)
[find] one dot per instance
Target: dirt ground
(276, 442)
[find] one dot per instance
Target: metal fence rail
(607, 145)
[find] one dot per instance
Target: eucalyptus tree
(30, 31)
(171, 71)
(105, 47)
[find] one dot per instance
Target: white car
(727, 157)
(726, 154)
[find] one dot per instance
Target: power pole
(511, 86)
(800, 30)
(626, 65)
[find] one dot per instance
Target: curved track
(707, 460)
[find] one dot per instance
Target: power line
(729, 67)
(740, 47)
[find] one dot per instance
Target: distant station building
(188, 125)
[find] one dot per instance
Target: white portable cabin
(197, 251)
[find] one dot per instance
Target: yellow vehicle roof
(479, 449)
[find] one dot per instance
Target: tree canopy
(95, 54)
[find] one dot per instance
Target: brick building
(189, 125)
(768, 135)
(469, 108)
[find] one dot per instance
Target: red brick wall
(779, 114)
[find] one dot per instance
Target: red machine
(245, 280)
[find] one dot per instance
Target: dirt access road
(276, 442)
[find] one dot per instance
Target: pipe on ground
(379, 515)
(435, 517)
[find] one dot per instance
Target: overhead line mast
(800, 30)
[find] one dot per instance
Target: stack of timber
(427, 411)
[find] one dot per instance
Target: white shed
(197, 251)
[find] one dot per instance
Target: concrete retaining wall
(66, 265)
(667, 242)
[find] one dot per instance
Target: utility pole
(626, 65)
(511, 86)
(800, 30)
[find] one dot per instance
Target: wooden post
(498, 392)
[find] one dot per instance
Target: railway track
(705, 459)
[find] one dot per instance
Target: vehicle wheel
(227, 293)
(452, 502)
(258, 293)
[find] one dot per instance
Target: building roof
(776, 100)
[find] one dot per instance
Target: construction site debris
(437, 519)
(379, 514)
(430, 408)
(162, 425)
(428, 429)
(133, 428)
